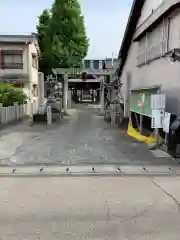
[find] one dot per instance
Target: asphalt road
(114, 208)
(83, 138)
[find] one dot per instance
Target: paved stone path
(82, 138)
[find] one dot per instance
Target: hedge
(9, 95)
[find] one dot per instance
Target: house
(19, 62)
(149, 56)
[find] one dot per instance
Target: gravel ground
(81, 138)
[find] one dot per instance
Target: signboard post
(158, 104)
(157, 118)
(141, 106)
(166, 124)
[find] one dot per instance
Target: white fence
(17, 112)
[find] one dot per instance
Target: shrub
(9, 95)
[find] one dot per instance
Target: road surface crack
(167, 194)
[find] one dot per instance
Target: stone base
(40, 118)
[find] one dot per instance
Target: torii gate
(99, 74)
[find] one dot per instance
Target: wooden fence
(17, 112)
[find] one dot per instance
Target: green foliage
(62, 35)
(9, 95)
(42, 29)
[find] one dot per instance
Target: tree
(42, 29)
(62, 37)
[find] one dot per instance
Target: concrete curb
(90, 170)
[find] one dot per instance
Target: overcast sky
(105, 21)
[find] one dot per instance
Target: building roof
(17, 38)
(129, 32)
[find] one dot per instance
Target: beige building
(19, 62)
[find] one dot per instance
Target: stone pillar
(69, 98)
(65, 95)
(102, 94)
(41, 88)
(49, 115)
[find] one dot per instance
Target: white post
(49, 115)
(65, 96)
(94, 98)
(16, 111)
(102, 94)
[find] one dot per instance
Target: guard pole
(157, 137)
(141, 124)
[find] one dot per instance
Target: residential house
(19, 62)
(150, 46)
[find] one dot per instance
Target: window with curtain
(12, 60)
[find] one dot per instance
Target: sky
(105, 21)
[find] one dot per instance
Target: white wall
(26, 90)
(149, 5)
(33, 71)
(130, 66)
(174, 40)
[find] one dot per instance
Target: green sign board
(140, 101)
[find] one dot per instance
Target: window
(34, 61)
(12, 59)
(154, 44)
